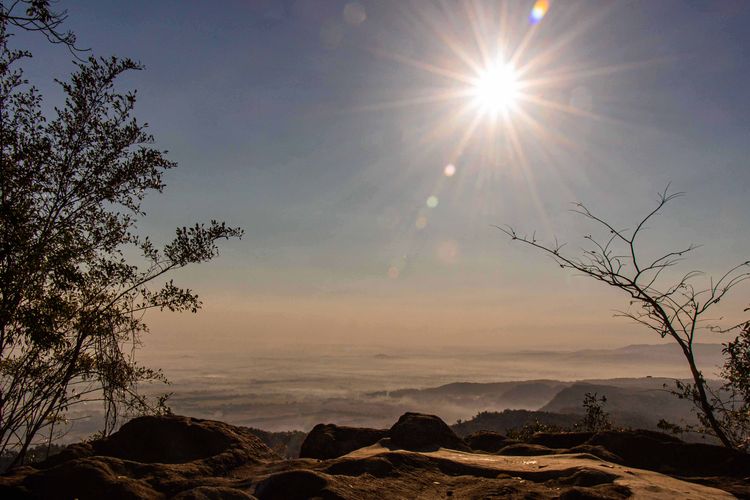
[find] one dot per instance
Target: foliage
(731, 402)
(595, 419)
(527, 430)
(674, 309)
(71, 303)
(36, 15)
(34, 455)
(735, 407)
(667, 426)
(513, 421)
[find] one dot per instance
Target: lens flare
(538, 11)
(449, 170)
(432, 201)
(447, 252)
(354, 13)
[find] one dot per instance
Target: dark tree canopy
(38, 15)
(71, 187)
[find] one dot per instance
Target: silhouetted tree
(733, 400)
(595, 419)
(71, 304)
(673, 309)
(37, 15)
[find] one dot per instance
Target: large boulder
(421, 432)
(331, 441)
(295, 485)
(560, 439)
(149, 457)
(84, 479)
(173, 439)
(669, 455)
(488, 441)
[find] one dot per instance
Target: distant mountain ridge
(631, 402)
(522, 394)
(371, 387)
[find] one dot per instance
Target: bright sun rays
(503, 83)
(495, 88)
(490, 77)
(500, 94)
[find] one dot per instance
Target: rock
(294, 485)
(487, 441)
(588, 477)
(88, 478)
(212, 460)
(596, 451)
(420, 432)
(147, 458)
(213, 493)
(667, 454)
(609, 491)
(526, 449)
(71, 452)
(560, 439)
(374, 466)
(172, 439)
(331, 441)
(175, 439)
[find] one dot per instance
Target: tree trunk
(708, 410)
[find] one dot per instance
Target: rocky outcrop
(174, 440)
(332, 441)
(560, 439)
(487, 441)
(420, 432)
(193, 459)
(413, 431)
(650, 450)
(147, 458)
(667, 454)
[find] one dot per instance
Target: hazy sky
(322, 127)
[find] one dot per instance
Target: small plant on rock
(595, 419)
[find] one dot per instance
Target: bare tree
(673, 309)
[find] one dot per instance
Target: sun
(501, 82)
(495, 89)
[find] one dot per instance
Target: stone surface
(331, 441)
(193, 459)
(420, 432)
(487, 441)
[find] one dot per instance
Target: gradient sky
(312, 124)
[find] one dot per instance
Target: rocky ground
(418, 457)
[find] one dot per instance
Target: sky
(324, 128)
